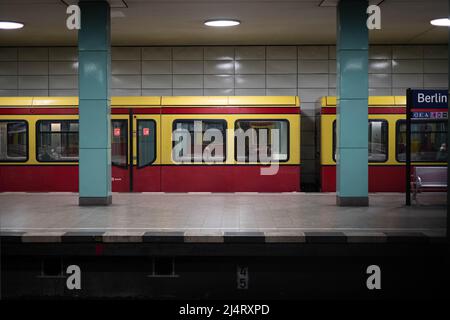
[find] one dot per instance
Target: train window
(57, 140)
(261, 140)
(119, 143)
(13, 141)
(428, 141)
(199, 140)
(146, 142)
(378, 140)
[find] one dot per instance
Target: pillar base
(352, 201)
(95, 201)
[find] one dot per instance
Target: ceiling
(180, 22)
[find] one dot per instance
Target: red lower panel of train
(381, 178)
(154, 179)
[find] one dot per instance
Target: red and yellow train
(386, 145)
(39, 144)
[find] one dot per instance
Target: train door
(120, 150)
(146, 173)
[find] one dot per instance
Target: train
(206, 144)
(39, 144)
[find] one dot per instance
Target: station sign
(429, 115)
(433, 99)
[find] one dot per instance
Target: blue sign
(429, 99)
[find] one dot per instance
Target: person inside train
(442, 154)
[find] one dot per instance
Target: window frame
(259, 119)
(37, 140)
(155, 148)
(221, 120)
(397, 131)
(27, 144)
(127, 146)
(333, 133)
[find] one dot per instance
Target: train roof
(374, 101)
(158, 101)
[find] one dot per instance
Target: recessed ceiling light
(444, 22)
(222, 22)
(9, 25)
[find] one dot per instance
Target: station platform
(219, 218)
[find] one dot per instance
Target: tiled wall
(307, 71)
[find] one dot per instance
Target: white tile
(8, 93)
(281, 92)
(218, 92)
(332, 66)
(33, 54)
(187, 53)
(125, 81)
(63, 92)
(218, 81)
(250, 67)
(33, 82)
(407, 52)
(281, 66)
(313, 80)
(435, 52)
(125, 53)
(63, 54)
(332, 81)
(312, 52)
(332, 52)
(407, 80)
(125, 67)
(311, 95)
(399, 91)
(33, 68)
(407, 66)
(156, 53)
(157, 81)
(219, 67)
(250, 53)
(250, 81)
(33, 93)
(381, 80)
(8, 54)
(380, 52)
(219, 53)
(8, 82)
(8, 68)
(250, 92)
(157, 67)
(435, 66)
(187, 67)
(182, 81)
(281, 81)
(313, 66)
(281, 53)
(436, 81)
(380, 91)
(125, 92)
(64, 82)
(187, 92)
(63, 67)
(156, 92)
(380, 66)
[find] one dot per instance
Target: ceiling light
(444, 22)
(9, 25)
(222, 23)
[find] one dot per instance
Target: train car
(158, 144)
(386, 148)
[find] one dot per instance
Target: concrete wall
(307, 71)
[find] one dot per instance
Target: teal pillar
(352, 104)
(94, 70)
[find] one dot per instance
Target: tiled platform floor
(142, 212)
